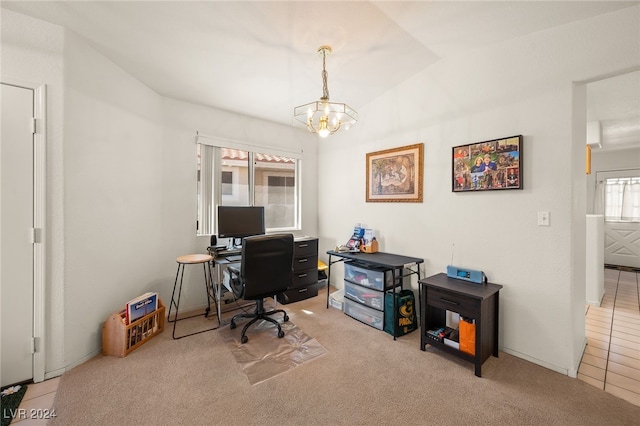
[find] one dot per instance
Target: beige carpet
(267, 356)
(364, 378)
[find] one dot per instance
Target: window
(622, 199)
(280, 189)
(227, 183)
(275, 189)
(230, 176)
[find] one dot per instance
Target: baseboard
(54, 373)
(573, 372)
(82, 360)
(536, 361)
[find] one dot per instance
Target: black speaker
(214, 241)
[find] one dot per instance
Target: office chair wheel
(232, 325)
(244, 339)
(286, 318)
(280, 334)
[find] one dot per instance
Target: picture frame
(487, 166)
(395, 175)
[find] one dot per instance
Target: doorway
(22, 170)
(613, 116)
(613, 133)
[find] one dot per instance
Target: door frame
(39, 220)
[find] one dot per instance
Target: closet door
(16, 235)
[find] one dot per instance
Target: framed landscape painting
(395, 175)
(487, 166)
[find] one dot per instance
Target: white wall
(112, 192)
(121, 165)
(523, 86)
(32, 51)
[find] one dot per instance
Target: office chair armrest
(234, 270)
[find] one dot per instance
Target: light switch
(543, 218)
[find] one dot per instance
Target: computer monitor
(240, 221)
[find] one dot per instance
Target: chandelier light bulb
(323, 129)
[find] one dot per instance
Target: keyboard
(236, 258)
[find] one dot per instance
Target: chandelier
(324, 117)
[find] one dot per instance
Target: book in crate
(120, 338)
(141, 306)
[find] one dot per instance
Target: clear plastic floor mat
(265, 355)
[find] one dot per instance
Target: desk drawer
(305, 247)
(304, 278)
(293, 295)
(302, 263)
(463, 305)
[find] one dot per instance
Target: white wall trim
(78, 362)
(534, 360)
(573, 372)
(39, 218)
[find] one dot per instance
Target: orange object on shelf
(467, 336)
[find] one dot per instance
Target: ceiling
(259, 58)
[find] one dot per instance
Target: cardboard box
(370, 248)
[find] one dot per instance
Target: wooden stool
(207, 263)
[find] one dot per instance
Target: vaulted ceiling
(259, 58)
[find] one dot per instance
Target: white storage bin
(364, 314)
(336, 299)
(368, 276)
(366, 296)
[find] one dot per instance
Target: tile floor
(35, 407)
(611, 360)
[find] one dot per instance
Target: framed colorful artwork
(487, 166)
(395, 175)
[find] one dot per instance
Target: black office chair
(265, 270)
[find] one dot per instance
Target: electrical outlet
(543, 218)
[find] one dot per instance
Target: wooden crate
(119, 339)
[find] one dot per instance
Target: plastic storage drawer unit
(368, 276)
(371, 298)
(364, 314)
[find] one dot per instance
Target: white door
(16, 224)
(621, 237)
(622, 244)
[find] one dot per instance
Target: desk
(218, 283)
(385, 260)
